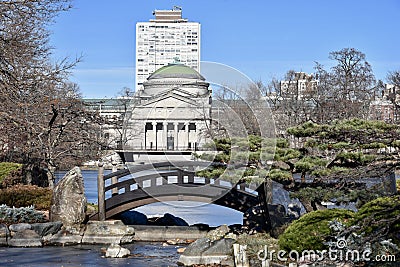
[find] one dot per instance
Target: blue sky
(261, 38)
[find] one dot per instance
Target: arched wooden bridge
(139, 185)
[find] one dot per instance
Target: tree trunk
(28, 174)
(50, 176)
(303, 177)
(307, 205)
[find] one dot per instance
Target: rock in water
(116, 251)
(68, 204)
(171, 220)
(133, 217)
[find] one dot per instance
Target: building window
(149, 126)
(181, 126)
(192, 127)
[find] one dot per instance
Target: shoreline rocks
(25, 238)
(4, 235)
(54, 234)
(94, 232)
(48, 228)
(215, 248)
(108, 232)
(204, 251)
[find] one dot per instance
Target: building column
(197, 137)
(187, 130)
(155, 135)
(176, 135)
(145, 136)
(165, 134)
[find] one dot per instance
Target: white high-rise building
(168, 38)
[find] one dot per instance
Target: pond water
(143, 255)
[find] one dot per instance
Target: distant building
(382, 110)
(298, 87)
(114, 111)
(392, 93)
(168, 38)
(385, 107)
(172, 112)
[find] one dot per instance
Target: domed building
(171, 112)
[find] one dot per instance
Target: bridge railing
(161, 173)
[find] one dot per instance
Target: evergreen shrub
(6, 169)
(26, 195)
(310, 230)
(20, 215)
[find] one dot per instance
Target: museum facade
(171, 113)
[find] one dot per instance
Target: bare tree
(43, 122)
(291, 99)
(347, 89)
(126, 101)
(393, 79)
(233, 110)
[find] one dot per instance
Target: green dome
(176, 71)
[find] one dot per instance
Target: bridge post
(242, 186)
(180, 176)
(100, 192)
(114, 179)
(191, 175)
(265, 191)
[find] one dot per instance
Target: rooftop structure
(174, 15)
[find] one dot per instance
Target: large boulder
(220, 247)
(254, 219)
(218, 232)
(206, 252)
(171, 220)
(49, 228)
(68, 204)
(18, 227)
(197, 247)
(25, 238)
(277, 214)
(133, 217)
